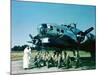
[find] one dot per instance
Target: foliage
(18, 48)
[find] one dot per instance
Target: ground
(16, 64)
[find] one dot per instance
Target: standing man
(26, 57)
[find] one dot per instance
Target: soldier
(55, 59)
(63, 58)
(67, 60)
(37, 60)
(50, 61)
(34, 61)
(47, 59)
(59, 60)
(44, 57)
(43, 60)
(76, 59)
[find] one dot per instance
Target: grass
(18, 55)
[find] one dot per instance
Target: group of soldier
(53, 59)
(48, 58)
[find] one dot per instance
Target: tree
(18, 48)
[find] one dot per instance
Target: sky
(26, 16)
